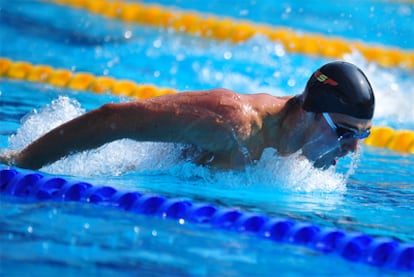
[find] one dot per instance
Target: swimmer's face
(350, 131)
(335, 136)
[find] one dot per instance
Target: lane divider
(238, 31)
(81, 81)
(353, 246)
(385, 137)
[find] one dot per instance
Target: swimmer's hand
(8, 157)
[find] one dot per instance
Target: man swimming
(325, 122)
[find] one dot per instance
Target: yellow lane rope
(81, 81)
(238, 31)
(385, 137)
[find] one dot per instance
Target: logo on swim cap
(324, 79)
(339, 87)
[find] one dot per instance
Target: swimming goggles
(345, 132)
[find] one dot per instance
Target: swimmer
(325, 122)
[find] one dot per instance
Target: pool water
(370, 192)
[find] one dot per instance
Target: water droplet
(279, 50)
(244, 12)
(291, 82)
(227, 55)
(157, 43)
(127, 34)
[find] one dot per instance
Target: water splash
(354, 159)
(292, 173)
(394, 92)
(37, 123)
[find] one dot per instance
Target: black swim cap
(339, 87)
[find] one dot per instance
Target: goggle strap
(329, 121)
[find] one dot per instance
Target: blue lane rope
(353, 246)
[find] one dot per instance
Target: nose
(350, 145)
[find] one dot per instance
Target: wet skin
(230, 128)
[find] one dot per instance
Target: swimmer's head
(340, 93)
(339, 87)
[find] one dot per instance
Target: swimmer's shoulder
(266, 103)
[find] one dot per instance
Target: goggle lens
(344, 132)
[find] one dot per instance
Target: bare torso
(226, 125)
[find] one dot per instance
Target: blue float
(352, 246)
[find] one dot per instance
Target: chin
(325, 163)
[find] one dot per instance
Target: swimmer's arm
(141, 121)
(88, 131)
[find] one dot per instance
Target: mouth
(325, 164)
(343, 153)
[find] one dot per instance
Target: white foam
(35, 124)
(118, 157)
(294, 173)
(394, 93)
(273, 178)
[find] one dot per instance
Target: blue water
(369, 21)
(374, 194)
